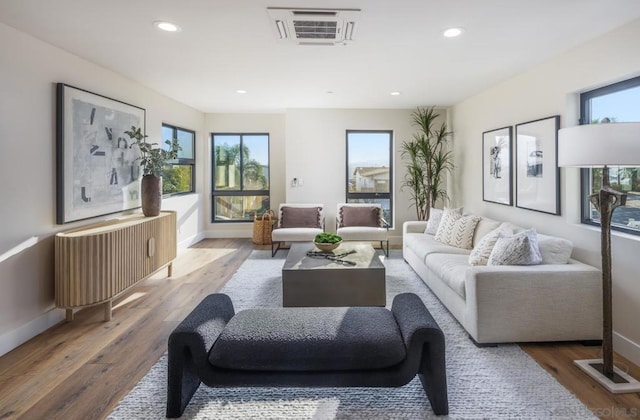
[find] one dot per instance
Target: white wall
(29, 69)
(551, 89)
(316, 153)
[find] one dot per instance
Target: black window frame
(183, 161)
(240, 192)
(372, 195)
(585, 173)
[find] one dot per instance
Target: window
(178, 177)
(369, 172)
(619, 102)
(240, 165)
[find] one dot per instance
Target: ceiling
(227, 45)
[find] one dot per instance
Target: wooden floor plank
(81, 369)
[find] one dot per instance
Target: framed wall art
(496, 166)
(537, 173)
(97, 172)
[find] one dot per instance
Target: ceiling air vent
(314, 26)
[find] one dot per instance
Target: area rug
(484, 383)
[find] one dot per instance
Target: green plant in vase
(152, 159)
(327, 242)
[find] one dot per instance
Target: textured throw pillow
(445, 228)
(554, 250)
(435, 216)
(482, 251)
(518, 249)
(296, 217)
(462, 232)
(360, 216)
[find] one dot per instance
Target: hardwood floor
(81, 369)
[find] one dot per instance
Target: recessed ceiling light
(166, 26)
(241, 91)
(395, 93)
(452, 32)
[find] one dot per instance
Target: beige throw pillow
(462, 233)
(482, 251)
(519, 249)
(445, 228)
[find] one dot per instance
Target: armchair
(362, 222)
(297, 223)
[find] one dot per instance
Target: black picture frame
(97, 173)
(537, 174)
(496, 166)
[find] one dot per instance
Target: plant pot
(151, 191)
(325, 247)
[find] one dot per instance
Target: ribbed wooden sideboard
(96, 263)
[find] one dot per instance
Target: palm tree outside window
(240, 176)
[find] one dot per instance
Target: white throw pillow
(445, 228)
(554, 250)
(435, 216)
(519, 249)
(482, 251)
(462, 232)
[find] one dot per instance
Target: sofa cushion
(294, 234)
(363, 233)
(554, 250)
(308, 339)
(451, 269)
(519, 249)
(482, 251)
(360, 216)
(300, 217)
(435, 217)
(423, 245)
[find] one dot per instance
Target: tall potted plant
(429, 159)
(152, 159)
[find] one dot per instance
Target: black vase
(151, 189)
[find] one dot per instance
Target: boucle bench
(306, 347)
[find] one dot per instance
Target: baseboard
(12, 339)
(184, 244)
(229, 233)
(626, 347)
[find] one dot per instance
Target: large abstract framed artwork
(496, 166)
(537, 173)
(97, 172)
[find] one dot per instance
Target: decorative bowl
(325, 247)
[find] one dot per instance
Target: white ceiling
(226, 45)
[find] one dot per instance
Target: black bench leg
(183, 381)
(433, 375)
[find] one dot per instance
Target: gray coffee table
(308, 281)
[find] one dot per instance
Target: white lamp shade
(612, 144)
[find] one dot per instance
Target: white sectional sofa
(508, 303)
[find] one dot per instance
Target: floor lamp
(601, 146)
